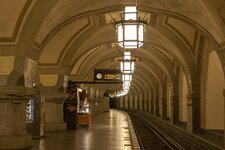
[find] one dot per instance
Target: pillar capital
(17, 90)
(58, 98)
(174, 97)
(193, 96)
(16, 94)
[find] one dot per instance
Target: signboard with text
(107, 75)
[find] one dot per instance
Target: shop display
(84, 116)
(83, 103)
(76, 107)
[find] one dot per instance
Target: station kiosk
(84, 115)
(76, 107)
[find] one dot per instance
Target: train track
(151, 138)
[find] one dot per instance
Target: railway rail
(150, 137)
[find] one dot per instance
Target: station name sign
(107, 75)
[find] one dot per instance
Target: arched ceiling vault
(137, 85)
(135, 88)
(106, 61)
(148, 84)
(147, 75)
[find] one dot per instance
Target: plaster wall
(214, 100)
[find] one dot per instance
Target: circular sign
(99, 75)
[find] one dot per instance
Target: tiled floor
(109, 131)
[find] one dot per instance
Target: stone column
(174, 110)
(152, 106)
(130, 102)
(193, 113)
(157, 106)
(120, 102)
(123, 102)
(54, 114)
(164, 107)
(147, 105)
(138, 104)
(13, 102)
(164, 99)
(224, 113)
(133, 102)
(143, 104)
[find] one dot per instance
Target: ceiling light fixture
(130, 29)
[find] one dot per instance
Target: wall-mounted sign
(107, 75)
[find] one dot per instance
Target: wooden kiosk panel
(84, 119)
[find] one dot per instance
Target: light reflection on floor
(109, 131)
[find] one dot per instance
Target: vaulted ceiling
(73, 37)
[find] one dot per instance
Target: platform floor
(109, 131)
